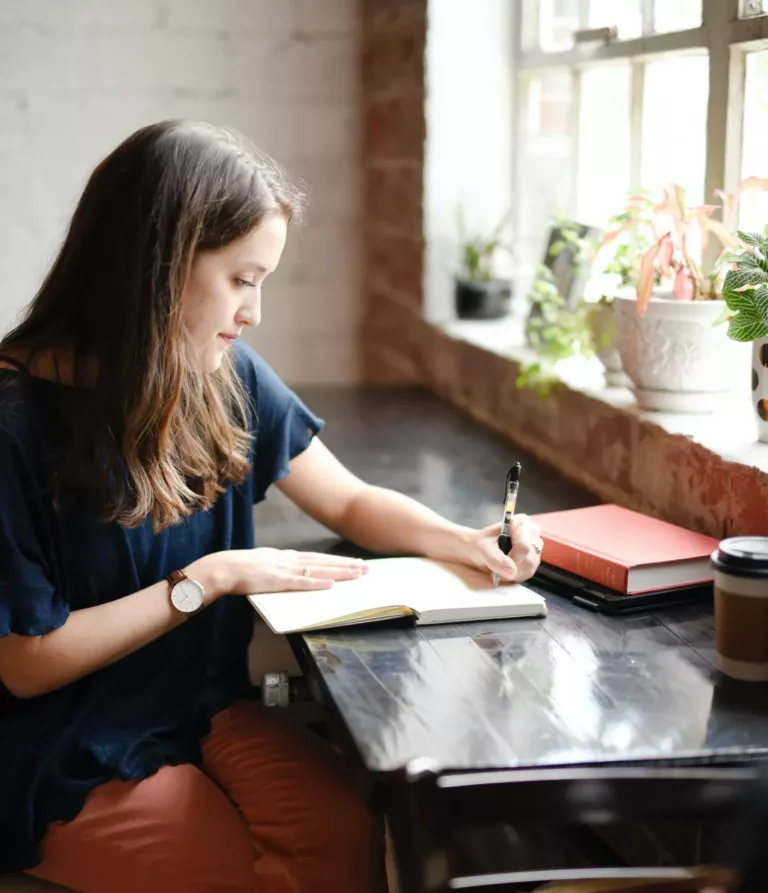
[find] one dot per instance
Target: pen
(511, 487)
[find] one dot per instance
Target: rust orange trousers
(272, 811)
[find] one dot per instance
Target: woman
(136, 433)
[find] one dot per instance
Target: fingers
(320, 572)
(526, 536)
(327, 567)
(319, 576)
(503, 565)
(318, 559)
(527, 561)
(524, 530)
(306, 583)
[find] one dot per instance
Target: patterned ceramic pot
(677, 359)
(602, 324)
(760, 386)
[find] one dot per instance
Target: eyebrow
(252, 265)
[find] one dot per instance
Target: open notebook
(429, 591)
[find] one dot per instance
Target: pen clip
(507, 487)
(513, 477)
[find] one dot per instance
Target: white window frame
(725, 37)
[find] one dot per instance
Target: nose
(250, 315)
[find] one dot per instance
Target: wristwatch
(187, 596)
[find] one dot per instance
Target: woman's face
(223, 294)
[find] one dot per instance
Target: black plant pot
(483, 300)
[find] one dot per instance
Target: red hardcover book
(624, 550)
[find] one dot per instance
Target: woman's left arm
(390, 523)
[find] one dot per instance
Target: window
(753, 208)
(603, 156)
(673, 142)
(545, 151)
(615, 97)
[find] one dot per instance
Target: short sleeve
(284, 427)
(29, 602)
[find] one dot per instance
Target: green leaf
(749, 261)
(754, 239)
(745, 327)
(735, 280)
(753, 301)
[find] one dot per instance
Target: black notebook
(607, 601)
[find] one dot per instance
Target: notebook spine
(598, 568)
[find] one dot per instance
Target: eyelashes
(244, 283)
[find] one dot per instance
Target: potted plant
(618, 268)
(558, 326)
(666, 338)
(556, 332)
(479, 294)
(745, 291)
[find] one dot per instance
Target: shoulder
(283, 425)
(270, 395)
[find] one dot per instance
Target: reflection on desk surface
(574, 687)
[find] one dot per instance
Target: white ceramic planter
(602, 323)
(760, 386)
(677, 359)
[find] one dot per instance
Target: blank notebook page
(416, 583)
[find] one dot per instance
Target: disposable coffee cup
(741, 607)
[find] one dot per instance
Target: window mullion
(636, 125)
(734, 130)
(584, 14)
(717, 15)
(721, 164)
(575, 114)
(647, 12)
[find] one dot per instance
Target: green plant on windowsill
(559, 332)
(555, 330)
(745, 288)
(478, 292)
(556, 333)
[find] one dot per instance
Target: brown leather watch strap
(176, 577)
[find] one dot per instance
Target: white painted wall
(77, 76)
(468, 159)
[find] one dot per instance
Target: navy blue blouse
(153, 707)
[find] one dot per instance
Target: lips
(228, 338)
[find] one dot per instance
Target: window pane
(749, 8)
(604, 153)
(676, 15)
(753, 207)
(627, 16)
(543, 182)
(674, 135)
(529, 35)
(557, 21)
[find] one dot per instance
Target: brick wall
(393, 42)
(77, 76)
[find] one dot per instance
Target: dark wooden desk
(575, 687)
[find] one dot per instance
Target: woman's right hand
(251, 571)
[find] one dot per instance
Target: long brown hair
(111, 304)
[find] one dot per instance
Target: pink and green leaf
(645, 279)
(682, 288)
(666, 254)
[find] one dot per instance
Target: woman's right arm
(93, 638)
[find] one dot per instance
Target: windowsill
(731, 434)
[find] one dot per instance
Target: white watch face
(187, 596)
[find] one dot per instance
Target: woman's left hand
(522, 562)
